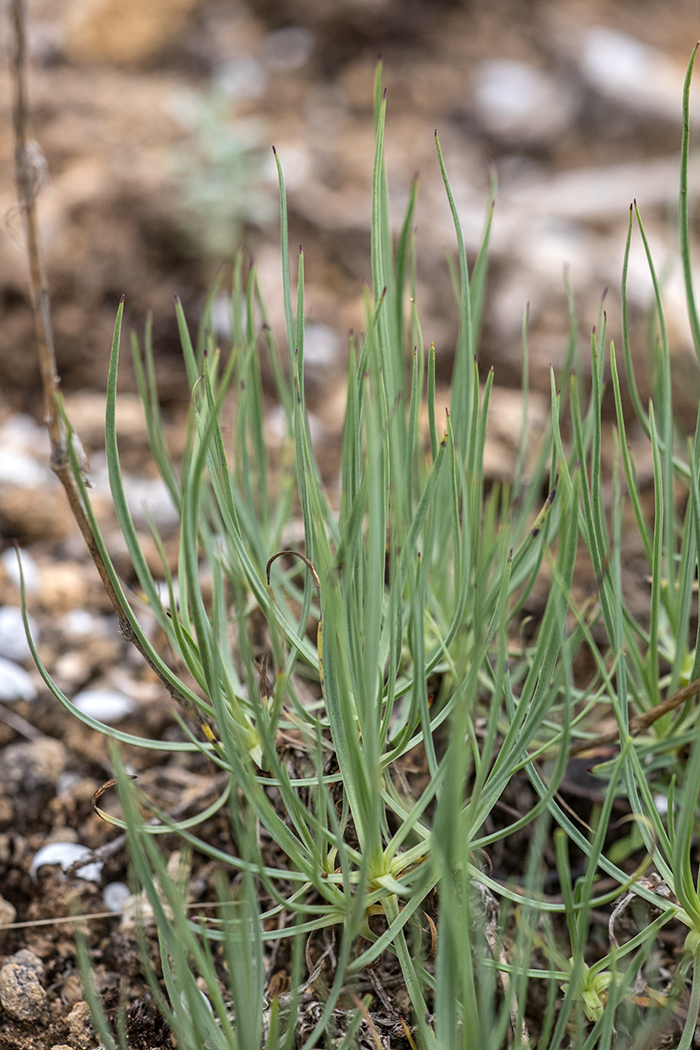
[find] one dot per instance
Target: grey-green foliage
(219, 173)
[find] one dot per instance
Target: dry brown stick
(641, 722)
(30, 169)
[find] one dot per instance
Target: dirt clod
(30, 770)
(80, 1027)
(21, 993)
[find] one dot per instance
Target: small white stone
(164, 593)
(15, 682)
(631, 72)
(67, 782)
(30, 570)
(242, 78)
(23, 453)
(150, 498)
(322, 347)
(21, 470)
(21, 431)
(106, 705)
(13, 638)
(115, 895)
(661, 803)
(288, 49)
(66, 854)
(519, 103)
(79, 623)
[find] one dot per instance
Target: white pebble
(13, 639)
(661, 803)
(150, 498)
(631, 72)
(322, 347)
(66, 854)
(164, 593)
(15, 682)
(22, 471)
(30, 570)
(115, 895)
(520, 103)
(106, 705)
(79, 623)
(288, 48)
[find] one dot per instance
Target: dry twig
(641, 722)
(30, 176)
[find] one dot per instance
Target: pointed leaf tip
(274, 150)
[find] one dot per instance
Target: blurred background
(157, 121)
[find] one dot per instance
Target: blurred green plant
(417, 574)
(219, 173)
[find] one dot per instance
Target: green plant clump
(393, 639)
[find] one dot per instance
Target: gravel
(13, 638)
(21, 993)
(15, 682)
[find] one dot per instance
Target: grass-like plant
(316, 675)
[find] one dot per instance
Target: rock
(21, 994)
(73, 991)
(15, 682)
(21, 470)
(70, 670)
(86, 411)
(115, 895)
(323, 352)
(81, 1028)
(288, 48)
(631, 73)
(25, 452)
(7, 810)
(29, 770)
(66, 854)
(8, 912)
(63, 586)
(520, 104)
(149, 497)
(123, 32)
(106, 705)
(78, 624)
(31, 514)
(146, 497)
(33, 505)
(13, 639)
(25, 957)
(30, 570)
